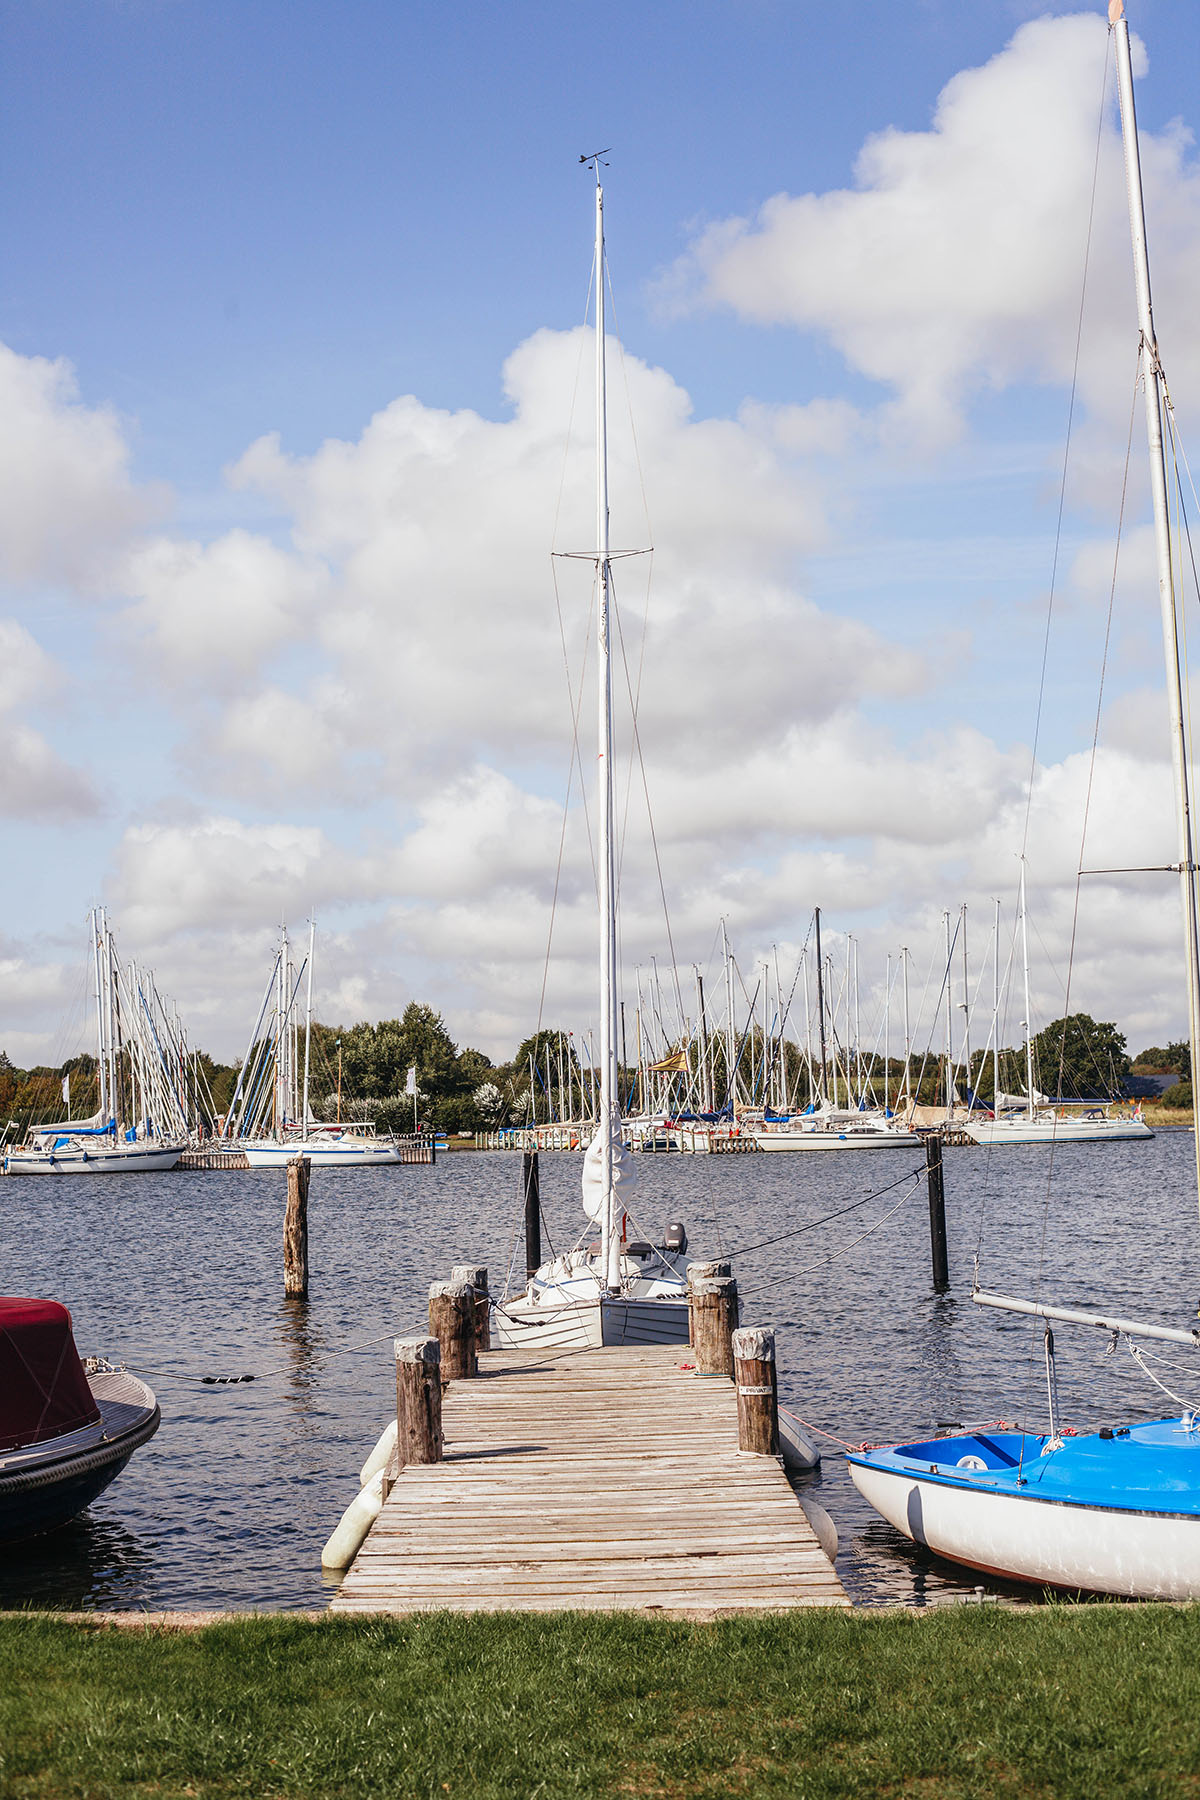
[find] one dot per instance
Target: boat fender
(380, 1455)
(822, 1524)
(353, 1526)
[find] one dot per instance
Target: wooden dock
(608, 1480)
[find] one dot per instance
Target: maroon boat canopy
(43, 1389)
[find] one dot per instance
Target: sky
(294, 408)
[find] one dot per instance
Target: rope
(1138, 1356)
(801, 1230)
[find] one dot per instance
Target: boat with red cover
(66, 1428)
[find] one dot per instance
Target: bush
(1178, 1094)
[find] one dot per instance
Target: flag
(410, 1086)
(675, 1064)
(67, 1088)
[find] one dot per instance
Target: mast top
(1116, 10)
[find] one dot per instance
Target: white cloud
(67, 503)
(956, 262)
(36, 782)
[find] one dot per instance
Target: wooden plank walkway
(608, 1480)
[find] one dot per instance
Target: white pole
(907, 1030)
(1028, 1012)
(996, 1010)
(887, 1015)
(1162, 544)
(312, 941)
(949, 1024)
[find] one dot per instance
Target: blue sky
(240, 220)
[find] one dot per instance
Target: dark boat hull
(49, 1484)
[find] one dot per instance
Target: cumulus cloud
(955, 262)
(68, 505)
(37, 783)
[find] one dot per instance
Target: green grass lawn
(1080, 1701)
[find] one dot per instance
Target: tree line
(360, 1072)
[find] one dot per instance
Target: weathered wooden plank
(600, 1480)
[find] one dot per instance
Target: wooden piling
(937, 1213)
(418, 1401)
(530, 1187)
(477, 1275)
(452, 1322)
(712, 1318)
(757, 1390)
(295, 1227)
(703, 1271)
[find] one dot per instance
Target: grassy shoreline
(1080, 1701)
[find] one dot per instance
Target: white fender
(380, 1455)
(796, 1447)
(822, 1524)
(353, 1526)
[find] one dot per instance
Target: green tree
(1080, 1058)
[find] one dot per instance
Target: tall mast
(1162, 540)
(949, 1021)
(996, 1012)
(907, 1030)
(609, 1120)
(312, 940)
(1028, 1013)
(820, 999)
(101, 1063)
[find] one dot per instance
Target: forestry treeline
(360, 1072)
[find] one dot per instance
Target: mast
(609, 1120)
(101, 1060)
(996, 1012)
(730, 1091)
(907, 1031)
(820, 1000)
(1162, 542)
(312, 938)
(949, 1022)
(1028, 1014)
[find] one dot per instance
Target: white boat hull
(322, 1153)
(93, 1157)
(1152, 1556)
(823, 1138)
(1056, 1131)
(587, 1324)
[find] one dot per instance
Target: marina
(180, 1276)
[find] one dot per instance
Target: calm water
(180, 1276)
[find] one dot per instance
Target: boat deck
(608, 1480)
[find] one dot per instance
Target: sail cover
(623, 1172)
(43, 1389)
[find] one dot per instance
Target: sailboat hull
(1116, 1516)
(321, 1152)
(588, 1324)
(825, 1138)
(1056, 1131)
(92, 1158)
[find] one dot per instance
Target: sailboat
(617, 1290)
(270, 1117)
(1115, 1511)
(140, 1125)
(825, 1125)
(1032, 1118)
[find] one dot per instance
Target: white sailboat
(139, 1126)
(270, 1117)
(614, 1291)
(1032, 1118)
(1115, 1511)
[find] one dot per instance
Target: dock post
(703, 1271)
(713, 1317)
(418, 1401)
(937, 1213)
(757, 1390)
(295, 1227)
(452, 1322)
(477, 1275)
(531, 1189)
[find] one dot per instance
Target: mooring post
(533, 1213)
(937, 1212)
(757, 1390)
(295, 1227)
(713, 1316)
(477, 1275)
(418, 1401)
(452, 1322)
(704, 1271)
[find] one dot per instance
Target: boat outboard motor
(675, 1238)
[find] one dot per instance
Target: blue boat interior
(973, 1450)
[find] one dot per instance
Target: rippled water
(180, 1276)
